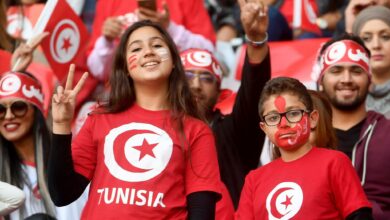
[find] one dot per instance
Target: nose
(148, 51)
(346, 76)
(376, 43)
(283, 122)
(8, 114)
(195, 82)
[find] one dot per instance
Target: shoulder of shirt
(264, 168)
(332, 154)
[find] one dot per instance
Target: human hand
(64, 102)
(254, 19)
(163, 18)
(112, 28)
(23, 55)
(353, 9)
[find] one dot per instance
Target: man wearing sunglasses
(238, 137)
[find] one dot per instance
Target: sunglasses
(203, 77)
(18, 108)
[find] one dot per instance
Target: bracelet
(257, 43)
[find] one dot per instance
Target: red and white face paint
(132, 61)
(163, 53)
(286, 137)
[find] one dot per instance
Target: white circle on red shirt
(147, 152)
(65, 41)
(284, 201)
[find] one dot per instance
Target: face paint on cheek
(292, 138)
(163, 53)
(131, 62)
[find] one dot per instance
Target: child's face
(148, 56)
(287, 122)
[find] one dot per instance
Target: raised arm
(65, 185)
(254, 19)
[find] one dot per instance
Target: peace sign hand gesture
(64, 102)
(254, 18)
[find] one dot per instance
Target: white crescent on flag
(64, 41)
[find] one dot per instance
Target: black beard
(348, 106)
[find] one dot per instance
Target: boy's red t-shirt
(140, 167)
(320, 185)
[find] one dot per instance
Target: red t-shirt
(320, 185)
(140, 167)
(189, 13)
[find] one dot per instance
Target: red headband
(14, 84)
(201, 59)
(345, 51)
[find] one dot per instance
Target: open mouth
(11, 126)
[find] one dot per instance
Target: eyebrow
(150, 39)
(293, 107)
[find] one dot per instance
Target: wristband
(257, 43)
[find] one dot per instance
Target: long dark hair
(325, 134)
(11, 162)
(122, 93)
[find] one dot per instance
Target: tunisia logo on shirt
(284, 201)
(147, 152)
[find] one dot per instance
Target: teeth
(11, 126)
(150, 64)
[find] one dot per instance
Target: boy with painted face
(306, 182)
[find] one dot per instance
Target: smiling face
(376, 36)
(148, 56)
(12, 127)
(346, 86)
(286, 135)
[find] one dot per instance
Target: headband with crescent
(345, 51)
(19, 85)
(194, 59)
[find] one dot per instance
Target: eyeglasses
(18, 108)
(203, 77)
(292, 116)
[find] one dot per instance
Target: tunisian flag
(301, 14)
(68, 36)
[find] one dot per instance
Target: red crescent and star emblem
(65, 41)
(137, 152)
(284, 201)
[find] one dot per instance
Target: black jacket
(239, 139)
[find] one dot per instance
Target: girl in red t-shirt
(144, 151)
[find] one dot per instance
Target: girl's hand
(64, 102)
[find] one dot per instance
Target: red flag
(301, 14)
(309, 16)
(68, 36)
